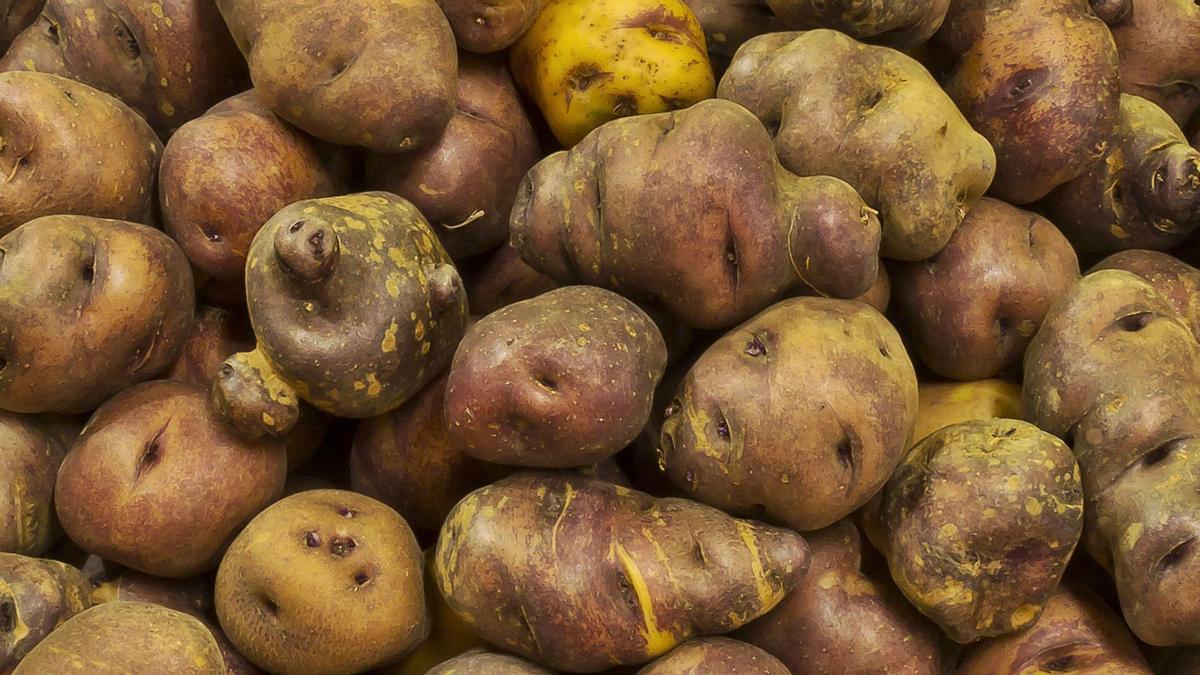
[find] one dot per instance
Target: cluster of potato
(599, 336)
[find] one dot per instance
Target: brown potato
(216, 335)
(118, 638)
(1159, 46)
(169, 60)
(87, 308)
(379, 75)
(225, 174)
(1177, 282)
(797, 416)
(896, 23)
(728, 25)
(973, 308)
(157, 482)
(324, 581)
(480, 662)
(36, 597)
(603, 575)
(15, 16)
(502, 279)
(715, 656)
(485, 26)
(946, 403)
(30, 454)
(69, 149)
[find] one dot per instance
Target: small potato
(216, 335)
(36, 597)
(502, 279)
(1177, 282)
(896, 23)
(980, 521)
(946, 403)
(480, 662)
(30, 454)
(69, 149)
(797, 416)
(158, 483)
(88, 307)
(15, 16)
(324, 581)
(715, 656)
(562, 380)
(119, 638)
(485, 26)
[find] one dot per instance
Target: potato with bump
(485, 26)
(30, 454)
(1159, 46)
(715, 656)
(36, 597)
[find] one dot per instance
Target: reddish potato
(502, 279)
(715, 656)
(30, 454)
(1159, 45)
(36, 597)
(484, 26)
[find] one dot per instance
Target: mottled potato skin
(840, 620)
(1115, 370)
(502, 279)
(324, 581)
(15, 15)
(728, 24)
(356, 307)
(798, 415)
(479, 662)
(36, 596)
(561, 380)
(1146, 192)
(715, 656)
(1177, 282)
(581, 575)
(30, 454)
(946, 403)
(87, 307)
(216, 335)
(972, 309)
(980, 520)
(225, 174)
(1077, 633)
(118, 638)
(69, 149)
(897, 23)
(692, 208)
(465, 182)
(169, 60)
(485, 26)
(1159, 46)
(375, 74)
(1038, 78)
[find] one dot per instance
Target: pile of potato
(599, 336)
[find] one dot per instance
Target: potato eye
(1061, 664)
(1135, 322)
(723, 429)
(51, 30)
(128, 41)
(8, 616)
(756, 347)
(1176, 556)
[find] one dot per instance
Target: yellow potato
(946, 403)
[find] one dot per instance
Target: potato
(465, 181)
(715, 656)
(480, 662)
(501, 279)
(603, 575)
(797, 416)
(584, 63)
(1077, 633)
(562, 380)
(693, 210)
(1115, 371)
(972, 309)
(324, 581)
(897, 23)
(485, 26)
(1145, 194)
(356, 307)
(375, 74)
(15, 15)
(1039, 79)
(169, 60)
(117, 638)
(946, 403)
(1177, 282)
(87, 307)
(216, 335)
(136, 490)
(843, 620)
(30, 454)
(405, 459)
(1159, 46)
(841, 108)
(69, 149)
(36, 597)
(727, 25)
(879, 295)
(225, 174)
(448, 636)
(980, 520)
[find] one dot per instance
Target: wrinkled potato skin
(15, 15)
(1116, 371)
(1145, 194)
(1076, 629)
(715, 656)
(30, 454)
(981, 519)
(643, 574)
(88, 307)
(216, 335)
(465, 182)
(946, 403)
(135, 490)
(225, 174)
(503, 279)
(36, 596)
(715, 237)
(1159, 45)
(169, 60)
(1177, 282)
(83, 153)
(562, 380)
(797, 416)
(346, 589)
(480, 662)
(973, 308)
(896, 23)
(842, 621)
(118, 638)
(1039, 79)
(585, 63)
(380, 74)
(728, 24)
(486, 26)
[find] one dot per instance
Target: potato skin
(36, 597)
(645, 574)
(896, 23)
(501, 279)
(714, 236)
(485, 26)
(30, 454)
(83, 153)
(216, 335)
(797, 416)
(324, 581)
(480, 662)
(117, 638)
(15, 15)
(376, 74)
(973, 308)
(727, 25)
(715, 656)
(1176, 281)
(88, 307)
(1159, 46)
(946, 403)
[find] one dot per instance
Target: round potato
(36, 597)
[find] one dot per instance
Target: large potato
(1176, 281)
(484, 26)
(87, 307)
(898, 23)
(1159, 46)
(715, 656)
(36, 596)
(30, 454)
